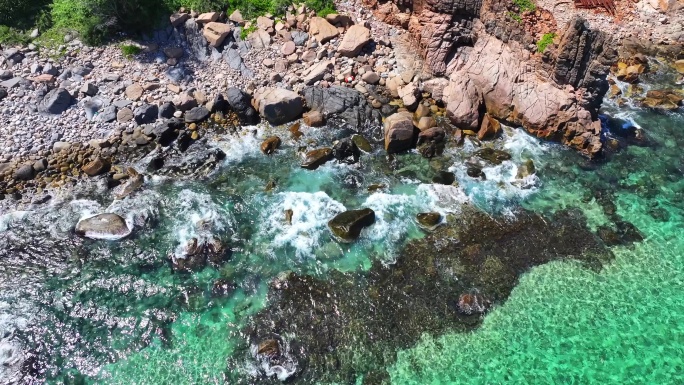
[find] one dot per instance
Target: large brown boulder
(316, 158)
(356, 37)
(321, 30)
(278, 105)
(216, 33)
(399, 132)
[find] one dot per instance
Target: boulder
(345, 106)
(236, 17)
(321, 30)
(346, 151)
(356, 37)
(167, 110)
(361, 143)
(399, 132)
(492, 155)
(103, 226)
(197, 114)
(663, 99)
(429, 221)
(288, 48)
(146, 113)
(196, 42)
(526, 169)
(216, 33)
(25, 172)
(173, 52)
(55, 101)
(269, 145)
(346, 227)
(239, 101)
(89, 89)
(679, 66)
(314, 119)
(264, 22)
(178, 19)
(3, 93)
(278, 105)
(207, 17)
(259, 39)
(316, 158)
(299, 38)
(371, 77)
(425, 123)
(134, 92)
(95, 167)
(317, 71)
(489, 129)
(124, 115)
(58, 147)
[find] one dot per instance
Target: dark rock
(493, 156)
(316, 158)
(346, 151)
(197, 114)
(178, 74)
(584, 60)
(299, 37)
(146, 113)
(347, 226)
(346, 107)
(3, 93)
(108, 114)
(197, 253)
(166, 110)
(40, 165)
(103, 226)
(475, 172)
(362, 143)
(219, 104)
(240, 102)
(25, 172)
(278, 105)
(55, 102)
(444, 177)
(472, 303)
(194, 38)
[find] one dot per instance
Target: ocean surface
(78, 311)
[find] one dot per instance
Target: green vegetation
(515, 17)
(129, 50)
(545, 41)
(525, 5)
(244, 32)
(96, 20)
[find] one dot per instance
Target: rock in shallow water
(347, 226)
(429, 221)
(103, 226)
(316, 158)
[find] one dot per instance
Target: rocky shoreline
(93, 111)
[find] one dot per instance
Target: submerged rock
(347, 226)
(103, 226)
(345, 151)
(493, 156)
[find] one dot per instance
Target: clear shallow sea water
(81, 311)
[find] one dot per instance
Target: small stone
(314, 119)
(134, 92)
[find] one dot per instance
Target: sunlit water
(82, 311)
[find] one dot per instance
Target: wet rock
(475, 172)
(314, 119)
(134, 182)
(95, 167)
(526, 169)
(492, 155)
(444, 177)
(345, 151)
(25, 172)
(399, 132)
(278, 105)
(103, 226)
(316, 158)
(269, 145)
(489, 129)
(347, 226)
(663, 100)
(362, 143)
(197, 114)
(288, 216)
(429, 221)
(55, 101)
(240, 103)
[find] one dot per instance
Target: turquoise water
(81, 311)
